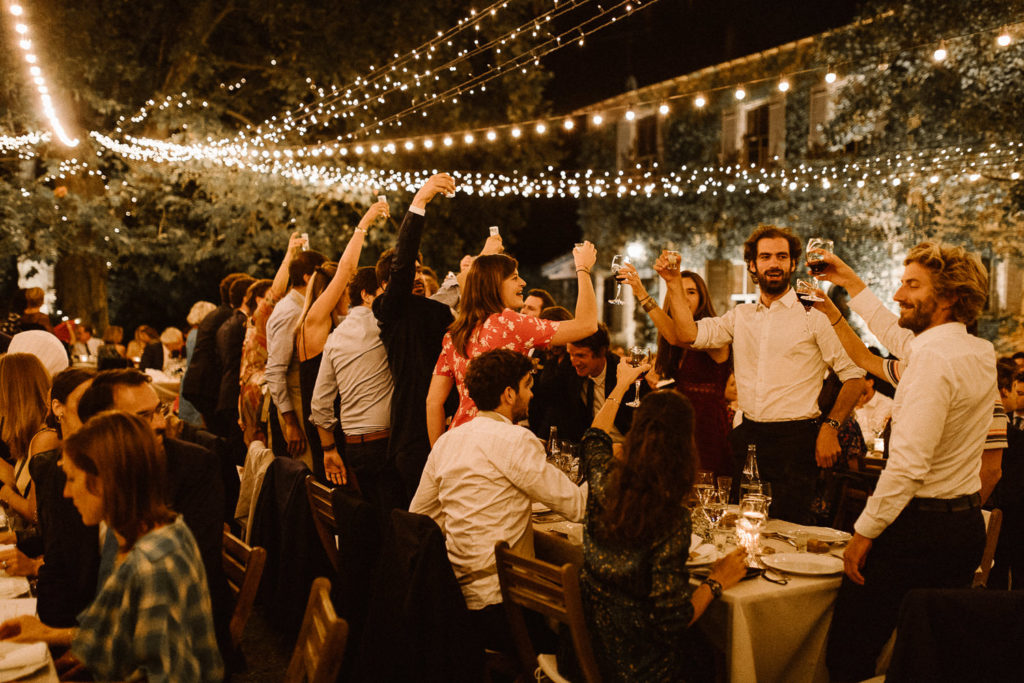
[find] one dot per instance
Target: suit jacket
(152, 357)
(411, 328)
(230, 336)
(562, 391)
(201, 384)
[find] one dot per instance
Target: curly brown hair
(771, 232)
(646, 487)
(957, 275)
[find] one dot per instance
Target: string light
(700, 101)
(783, 85)
(1004, 38)
(45, 98)
(597, 119)
(740, 93)
(664, 109)
(940, 53)
(569, 124)
(830, 77)
(630, 115)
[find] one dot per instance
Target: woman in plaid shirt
(152, 617)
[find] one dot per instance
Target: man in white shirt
(481, 479)
(282, 372)
(922, 527)
(873, 412)
(355, 371)
(780, 353)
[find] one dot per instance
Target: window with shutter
(729, 134)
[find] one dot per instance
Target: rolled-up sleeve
(526, 466)
(321, 411)
(280, 346)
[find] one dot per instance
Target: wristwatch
(830, 421)
(716, 588)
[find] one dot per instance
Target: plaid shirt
(152, 615)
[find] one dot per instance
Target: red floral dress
(505, 330)
(254, 363)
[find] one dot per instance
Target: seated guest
(44, 346)
(579, 388)
(25, 388)
(637, 596)
(111, 348)
(157, 354)
(481, 479)
(152, 615)
(144, 337)
(85, 343)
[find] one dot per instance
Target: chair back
(553, 592)
(988, 556)
(322, 639)
(326, 523)
(243, 568)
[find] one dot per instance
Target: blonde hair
(25, 387)
(199, 310)
(957, 275)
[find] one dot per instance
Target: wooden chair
(555, 593)
(322, 507)
(995, 523)
(322, 638)
(243, 567)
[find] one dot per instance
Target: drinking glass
(766, 491)
(637, 356)
(807, 294)
(751, 521)
(714, 508)
(618, 261)
(703, 485)
(725, 487)
(674, 258)
(816, 262)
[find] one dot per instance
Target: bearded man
(781, 353)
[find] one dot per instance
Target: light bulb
(597, 119)
(492, 136)
(940, 54)
(516, 132)
(663, 109)
(783, 85)
(700, 101)
(468, 139)
(1004, 39)
(830, 77)
(569, 124)
(541, 128)
(740, 93)
(630, 114)
(447, 141)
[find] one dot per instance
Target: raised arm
(666, 325)
(682, 317)
(280, 284)
(585, 322)
(317, 324)
(852, 344)
(625, 375)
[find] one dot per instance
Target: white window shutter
(729, 135)
(818, 115)
(777, 127)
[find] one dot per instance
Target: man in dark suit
(201, 384)
(171, 345)
(575, 392)
(230, 336)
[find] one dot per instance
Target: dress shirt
(600, 396)
(883, 323)
(872, 416)
(281, 348)
(780, 355)
(479, 483)
(941, 416)
(355, 368)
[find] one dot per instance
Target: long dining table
(765, 631)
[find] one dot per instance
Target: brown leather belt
(372, 436)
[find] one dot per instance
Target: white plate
(804, 563)
(695, 542)
(821, 533)
(702, 555)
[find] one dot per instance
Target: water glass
(725, 488)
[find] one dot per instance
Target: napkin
(18, 659)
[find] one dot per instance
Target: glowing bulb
(468, 139)
(830, 77)
(375, 148)
(597, 119)
(492, 136)
(21, 28)
(16, 10)
(359, 149)
(569, 124)
(934, 179)
(783, 85)
(699, 102)
(541, 128)
(428, 144)
(740, 93)
(447, 141)
(1004, 39)
(663, 109)
(516, 132)
(940, 54)
(630, 114)
(409, 145)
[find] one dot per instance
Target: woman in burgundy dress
(699, 374)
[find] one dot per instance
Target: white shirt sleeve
(426, 501)
(883, 323)
(527, 468)
(280, 347)
(714, 333)
(928, 394)
(321, 411)
(832, 351)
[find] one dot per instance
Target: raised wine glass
(816, 262)
(637, 356)
(807, 294)
(618, 261)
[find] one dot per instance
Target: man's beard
(772, 288)
(918, 317)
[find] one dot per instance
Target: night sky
(668, 39)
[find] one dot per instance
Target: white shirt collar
(788, 300)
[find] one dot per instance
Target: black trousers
(378, 481)
(918, 550)
(785, 458)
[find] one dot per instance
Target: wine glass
(703, 485)
(816, 262)
(807, 293)
(714, 509)
(618, 261)
(766, 491)
(637, 357)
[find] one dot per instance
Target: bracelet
(646, 298)
(716, 588)
(838, 320)
(362, 230)
(649, 305)
(612, 398)
(583, 269)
